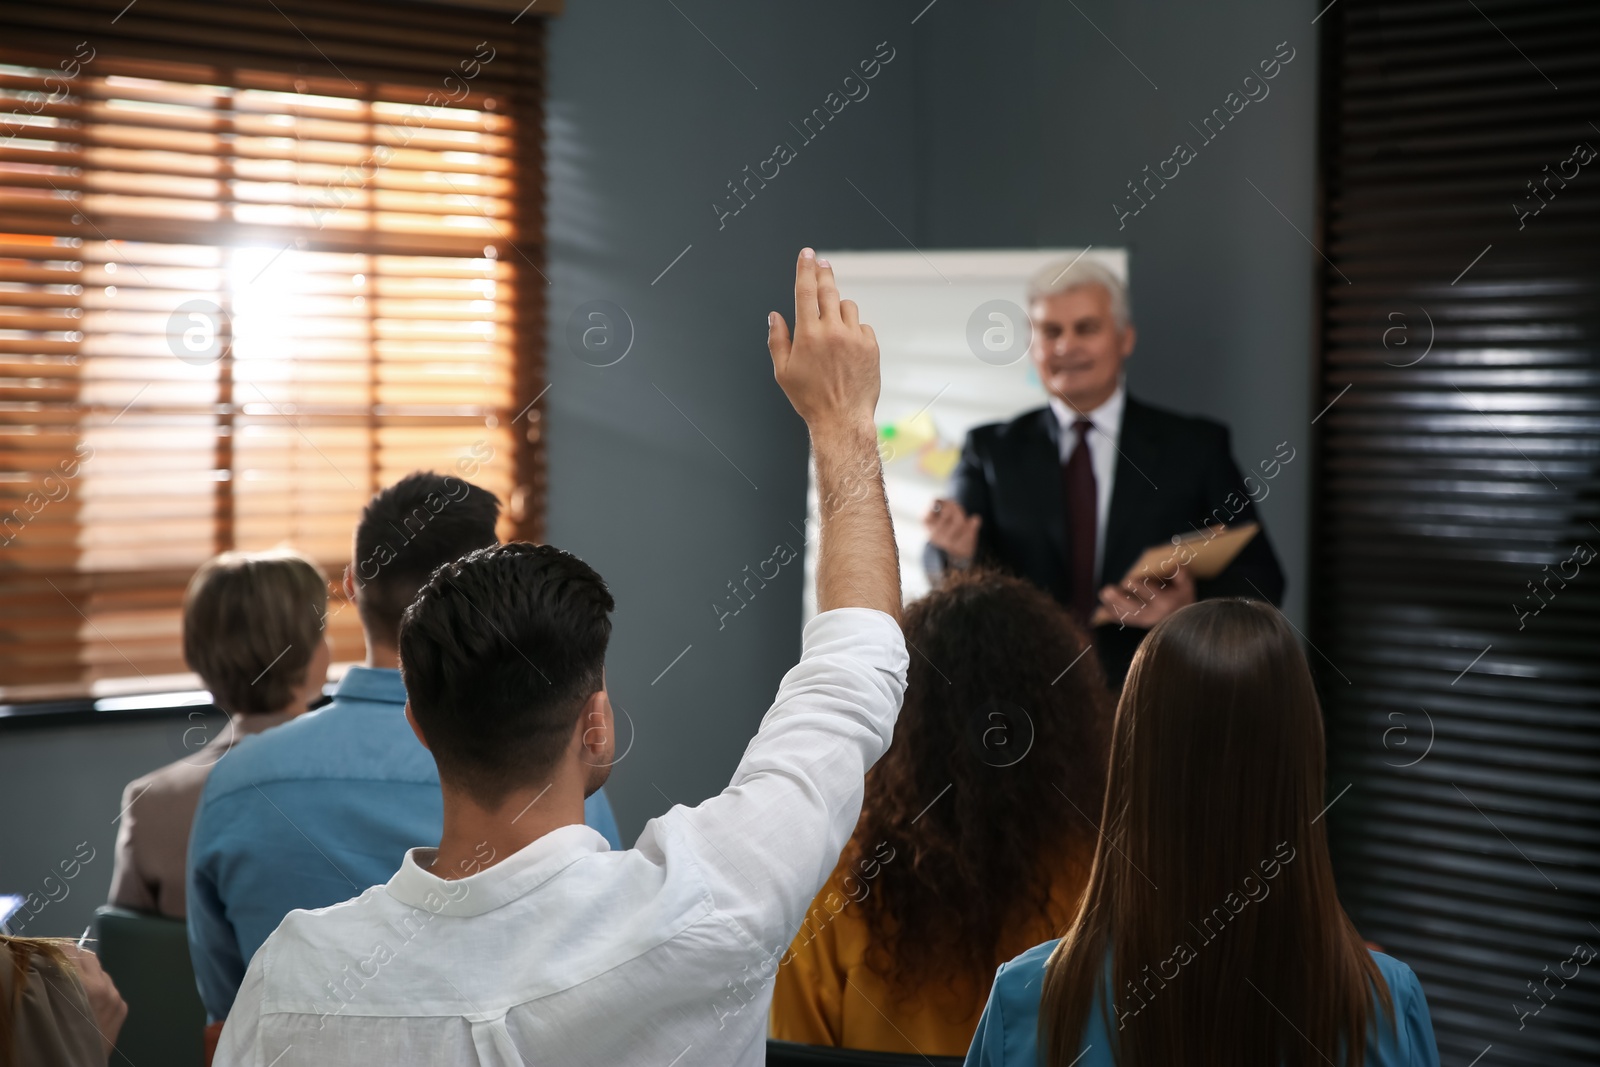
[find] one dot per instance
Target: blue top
(1008, 1032)
(309, 814)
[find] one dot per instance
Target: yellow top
(825, 994)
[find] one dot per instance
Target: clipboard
(1204, 553)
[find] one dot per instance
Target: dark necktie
(1078, 493)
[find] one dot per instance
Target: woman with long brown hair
(976, 830)
(1211, 933)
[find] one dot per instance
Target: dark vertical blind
(1457, 545)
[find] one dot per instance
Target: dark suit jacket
(1174, 474)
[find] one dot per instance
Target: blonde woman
(57, 1006)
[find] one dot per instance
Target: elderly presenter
(1070, 495)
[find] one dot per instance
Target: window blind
(256, 262)
(1458, 499)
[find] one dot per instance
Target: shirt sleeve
(767, 843)
(988, 1047)
(1255, 572)
(808, 991)
(1414, 1023)
(969, 487)
(219, 966)
(129, 889)
(598, 816)
(240, 1044)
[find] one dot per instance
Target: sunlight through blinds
(235, 301)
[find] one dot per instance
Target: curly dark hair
(1006, 711)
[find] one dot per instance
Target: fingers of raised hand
(805, 290)
(777, 339)
(827, 292)
(849, 313)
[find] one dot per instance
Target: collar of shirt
(380, 685)
(514, 877)
(242, 725)
(1107, 419)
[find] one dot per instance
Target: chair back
(148, 957)
(791, 1054)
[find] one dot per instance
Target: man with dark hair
(522, 938)
(406, 531)
(493, 718)
(315, 811)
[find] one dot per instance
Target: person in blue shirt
(314, 815)
(1211, 932)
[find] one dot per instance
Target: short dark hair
(499, 651)
(406, 532)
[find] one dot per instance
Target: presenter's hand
(953, 531)
(1143, 604)
(829, 370)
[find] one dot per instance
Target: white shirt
(1103, 439)
(568, 953)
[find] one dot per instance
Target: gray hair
(1065, 275)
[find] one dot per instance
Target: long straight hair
(1211, 933)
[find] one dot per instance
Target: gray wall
(647, 122)
(61, 787)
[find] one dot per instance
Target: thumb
(777, 341)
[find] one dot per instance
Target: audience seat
(148, 957)
(791, 1054)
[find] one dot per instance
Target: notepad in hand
(1204, 554)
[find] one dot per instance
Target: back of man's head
(499, 652)
(406, 532)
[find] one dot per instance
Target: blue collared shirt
(307, 815)
(1008, 1030)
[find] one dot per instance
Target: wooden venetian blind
(256, 261)
(1457, 589)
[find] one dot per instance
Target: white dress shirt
(1107, 419)
(568, 953)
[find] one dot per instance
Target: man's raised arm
(829, 371)
(766, 843)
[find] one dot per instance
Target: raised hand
(829, 370)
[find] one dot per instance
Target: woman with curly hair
(977, 829)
